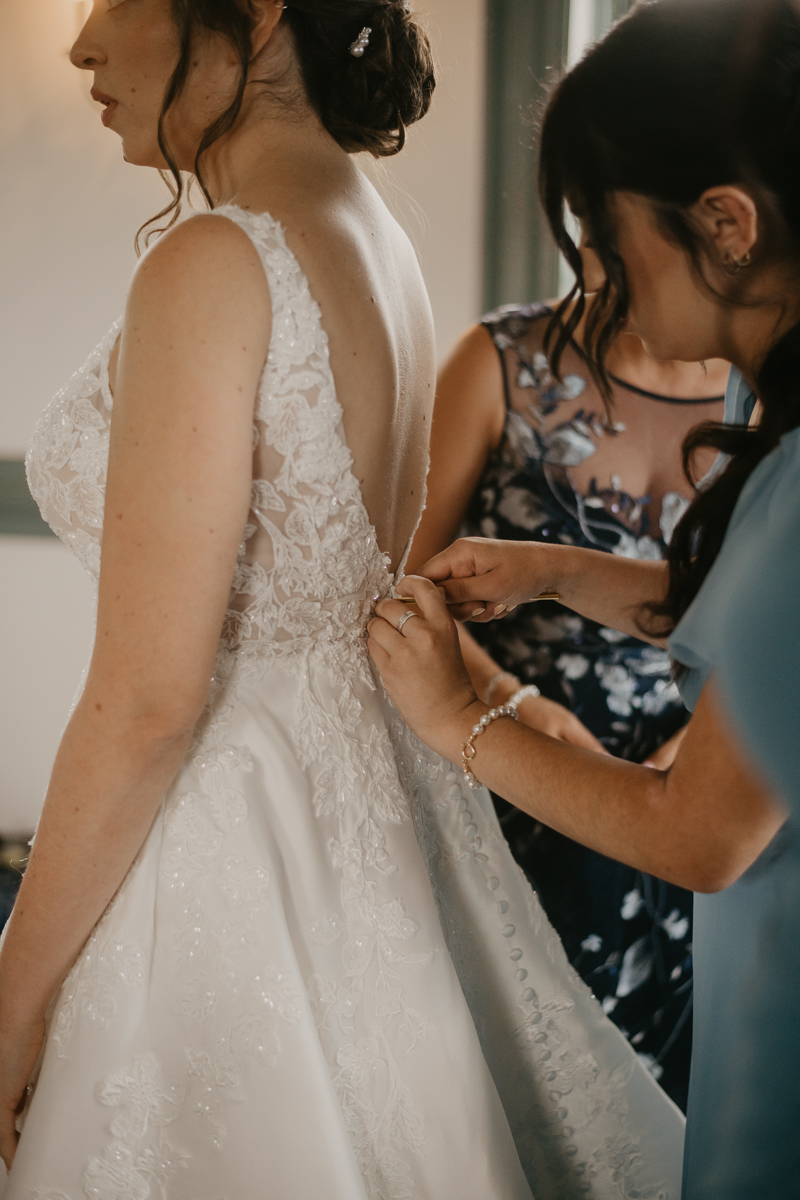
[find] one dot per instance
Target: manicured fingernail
(652, 766)
(476, 612)
(500, 608)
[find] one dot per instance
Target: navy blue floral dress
(626, 933)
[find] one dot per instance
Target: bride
(268, 943)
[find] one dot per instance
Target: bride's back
(363, 274)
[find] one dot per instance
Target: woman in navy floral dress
(517, 455)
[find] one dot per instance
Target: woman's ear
(729, 218)
(593, 274)
(266, 15)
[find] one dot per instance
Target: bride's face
(132, 46)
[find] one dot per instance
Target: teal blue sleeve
(758, 673)
(759, 657)
(744, 624)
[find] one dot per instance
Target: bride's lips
(110, 103)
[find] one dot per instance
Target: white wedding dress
(324, 977)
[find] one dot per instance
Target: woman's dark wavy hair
(681, 96)
(365, 103)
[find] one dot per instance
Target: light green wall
(526, 38)
(527, 41)
(19, 513)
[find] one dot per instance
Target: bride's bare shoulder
(205, 251)
(199, 290)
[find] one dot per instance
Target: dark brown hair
(672, 102)
(364, 103)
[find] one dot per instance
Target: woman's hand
(20, 1047)
(484, 579)
(537, 712)
(425, 675)
(663, 758)
(423, 669)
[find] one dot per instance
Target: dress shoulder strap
(296, 316)
(508, 327)
(298, 338)
(512, 322)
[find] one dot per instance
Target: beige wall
(436, 186)
(69, 208)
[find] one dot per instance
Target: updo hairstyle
(681, 96)
(365, 103)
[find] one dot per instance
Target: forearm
(666, 823)
(107, 785)
(482, 667)
(607, 588)
(607, 804)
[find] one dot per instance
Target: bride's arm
(193, 345)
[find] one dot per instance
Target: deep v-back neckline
(115, 333)
(278, 226)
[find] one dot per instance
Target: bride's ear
(266, 17)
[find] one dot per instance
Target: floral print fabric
(627, 934)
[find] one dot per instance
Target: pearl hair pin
(360, 44)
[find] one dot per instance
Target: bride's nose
(87, 53)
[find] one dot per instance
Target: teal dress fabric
(759, 673)
(743, 1133)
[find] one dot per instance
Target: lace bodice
(309, 567)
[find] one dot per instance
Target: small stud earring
(734, 265)
(360, 44)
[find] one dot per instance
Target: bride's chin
(143, 156)
(130, 156)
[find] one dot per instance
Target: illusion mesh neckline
(631, 387)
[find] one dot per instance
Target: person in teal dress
(742, 936)
(682, 168)
(759, 671)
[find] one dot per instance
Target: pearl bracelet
(523, 693)
(468, 748)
